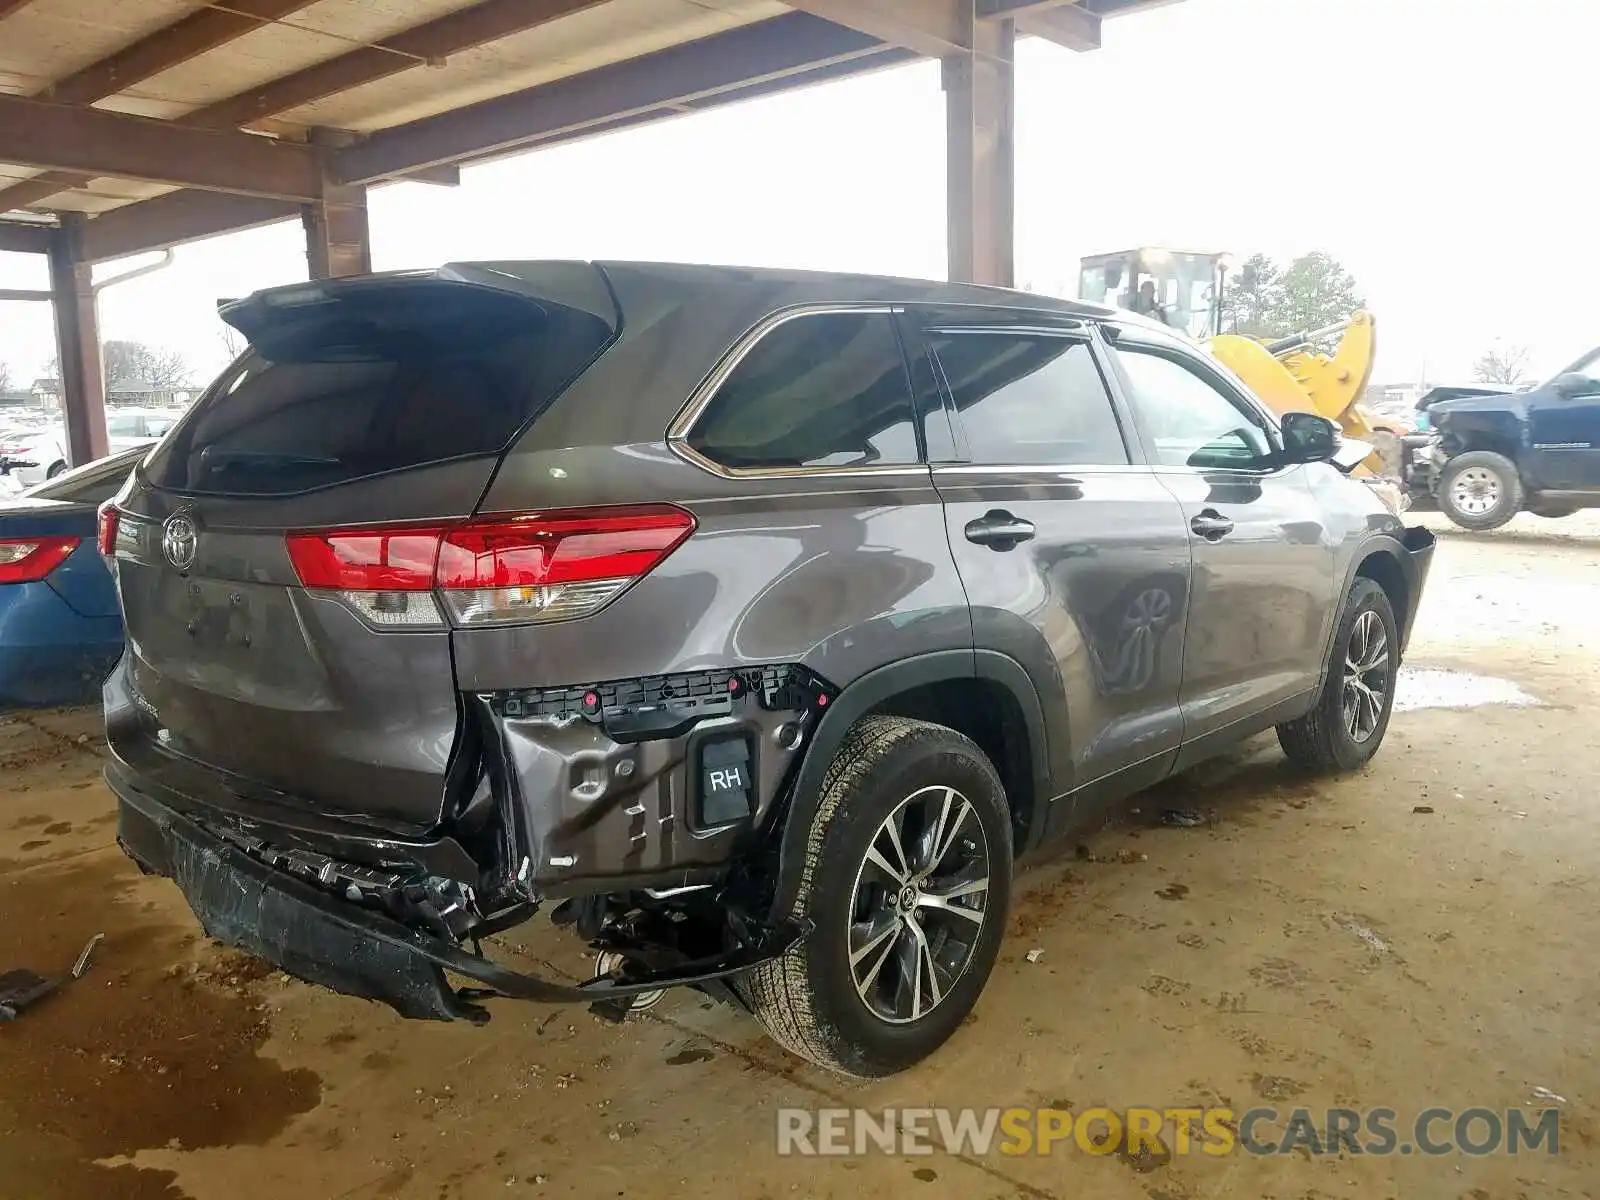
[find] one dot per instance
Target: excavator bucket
(1291, 375)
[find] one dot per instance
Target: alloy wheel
(918, 905)
(1367, 676)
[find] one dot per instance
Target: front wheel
(1347, 725)
(1480, 490)
(905, 887)
(56, 468)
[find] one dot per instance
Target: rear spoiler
(574, 285)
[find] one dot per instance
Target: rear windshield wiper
(222, 460)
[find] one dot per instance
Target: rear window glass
(824, 390)
(374, 380)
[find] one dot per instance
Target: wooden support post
(980, 117)
(83, 386)
(338, 239)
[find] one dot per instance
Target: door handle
(999, 530)
(1211, 525)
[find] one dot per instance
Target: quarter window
(1030, 398)
(1191, 422)
(821, 390)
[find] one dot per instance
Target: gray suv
(752, 623)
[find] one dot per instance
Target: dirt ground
(1317, 944)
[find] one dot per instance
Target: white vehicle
(30, 455)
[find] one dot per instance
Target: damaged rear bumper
(320, 938)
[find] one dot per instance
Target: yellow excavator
(1185, 290)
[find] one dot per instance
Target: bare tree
(1502, 364)
(233, 342)
(5, 376)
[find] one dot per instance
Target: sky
(1436, 147)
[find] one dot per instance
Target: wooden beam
(486, 21)
(1060, 21)
(476, 25)
(25, 239)
(440, 176)
(150, 55)
(94, 141)
(776, 48)
(935, 28)
(167, 47)
(176, 218)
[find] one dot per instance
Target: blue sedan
(60, 627)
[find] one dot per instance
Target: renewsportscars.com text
(1178, 1131)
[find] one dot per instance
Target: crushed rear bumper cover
(1419, 544)
(322, 939)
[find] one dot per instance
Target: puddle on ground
(1427, 687)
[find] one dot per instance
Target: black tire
(55, 469)
(809, 1000)
(1490, 477)
(1322, 741)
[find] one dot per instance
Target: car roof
(889, 289)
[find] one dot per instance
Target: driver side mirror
(1308, 438)
(1570, 384)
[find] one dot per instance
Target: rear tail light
(549, 566)
(28, 560)
(105, 532)
(383, 574)
(553, 566)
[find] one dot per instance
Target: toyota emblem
(179, 538)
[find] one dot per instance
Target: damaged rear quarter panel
(838, 574)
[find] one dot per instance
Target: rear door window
(1030, 398)
(818, 390)
(377, 379)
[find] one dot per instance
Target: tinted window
(827, 390)
(1192, 422)
(1030, 398)
(377, 379)
(122, 425)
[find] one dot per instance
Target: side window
(1191, 422)
(1030, 398)
(824, 390)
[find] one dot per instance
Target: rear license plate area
(218, 616)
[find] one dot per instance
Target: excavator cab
(1180, 288)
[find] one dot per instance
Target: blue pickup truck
(1491, 455)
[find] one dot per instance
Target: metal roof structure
(141, 124)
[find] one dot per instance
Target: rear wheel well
(1383, 570)
(985, 711)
